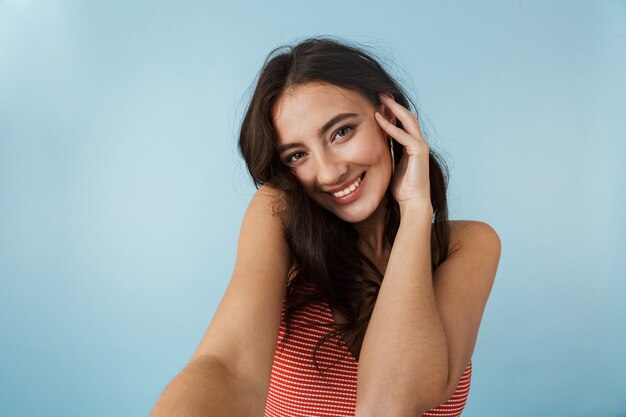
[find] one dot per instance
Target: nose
(330, 171)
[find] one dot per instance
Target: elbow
(431, 394)
(435, 401)
(394, 404)
(434, 390)
(431, 399)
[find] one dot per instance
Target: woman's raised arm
(230, 371)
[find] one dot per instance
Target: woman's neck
(372, 233)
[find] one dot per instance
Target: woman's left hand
(410, 184)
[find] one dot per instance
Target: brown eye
(293, 157)
(344, 131)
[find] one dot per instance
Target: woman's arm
(424, 325)
(229, 373)
(462, 285)
(399, 346)
(206, 388)
(403, 364)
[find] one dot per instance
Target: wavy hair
(324, 247)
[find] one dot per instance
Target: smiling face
(328, 136)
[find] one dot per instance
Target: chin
(355, 214)
(355, 220)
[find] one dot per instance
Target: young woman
(352, 293)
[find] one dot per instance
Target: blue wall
(122, 193)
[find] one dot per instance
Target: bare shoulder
(271, 201)
(476, 234)
(268, 199)
(262, 230)
(269, 190)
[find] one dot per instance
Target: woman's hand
(410, 184)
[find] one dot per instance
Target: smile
(349, 189)
(349, 194)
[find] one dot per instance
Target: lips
(346, 185)
(349, 198)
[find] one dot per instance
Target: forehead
(303, 109)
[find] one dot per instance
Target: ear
(387, 113)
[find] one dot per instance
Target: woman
(352, 293)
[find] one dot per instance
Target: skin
(427, 316)
(348, 149)
(414, 304)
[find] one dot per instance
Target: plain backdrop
(122, 192)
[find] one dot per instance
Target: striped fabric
(298, 390)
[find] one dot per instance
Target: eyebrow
(336, 119)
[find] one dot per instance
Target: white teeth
(348, 189)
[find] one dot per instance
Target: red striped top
(296, 387)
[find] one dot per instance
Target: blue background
(122, 193)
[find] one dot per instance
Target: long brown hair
(324, 247)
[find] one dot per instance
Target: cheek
(305, 178)
(368, 150)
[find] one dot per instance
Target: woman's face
(328, 136)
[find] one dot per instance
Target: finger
(409, 142)
(408, 119)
